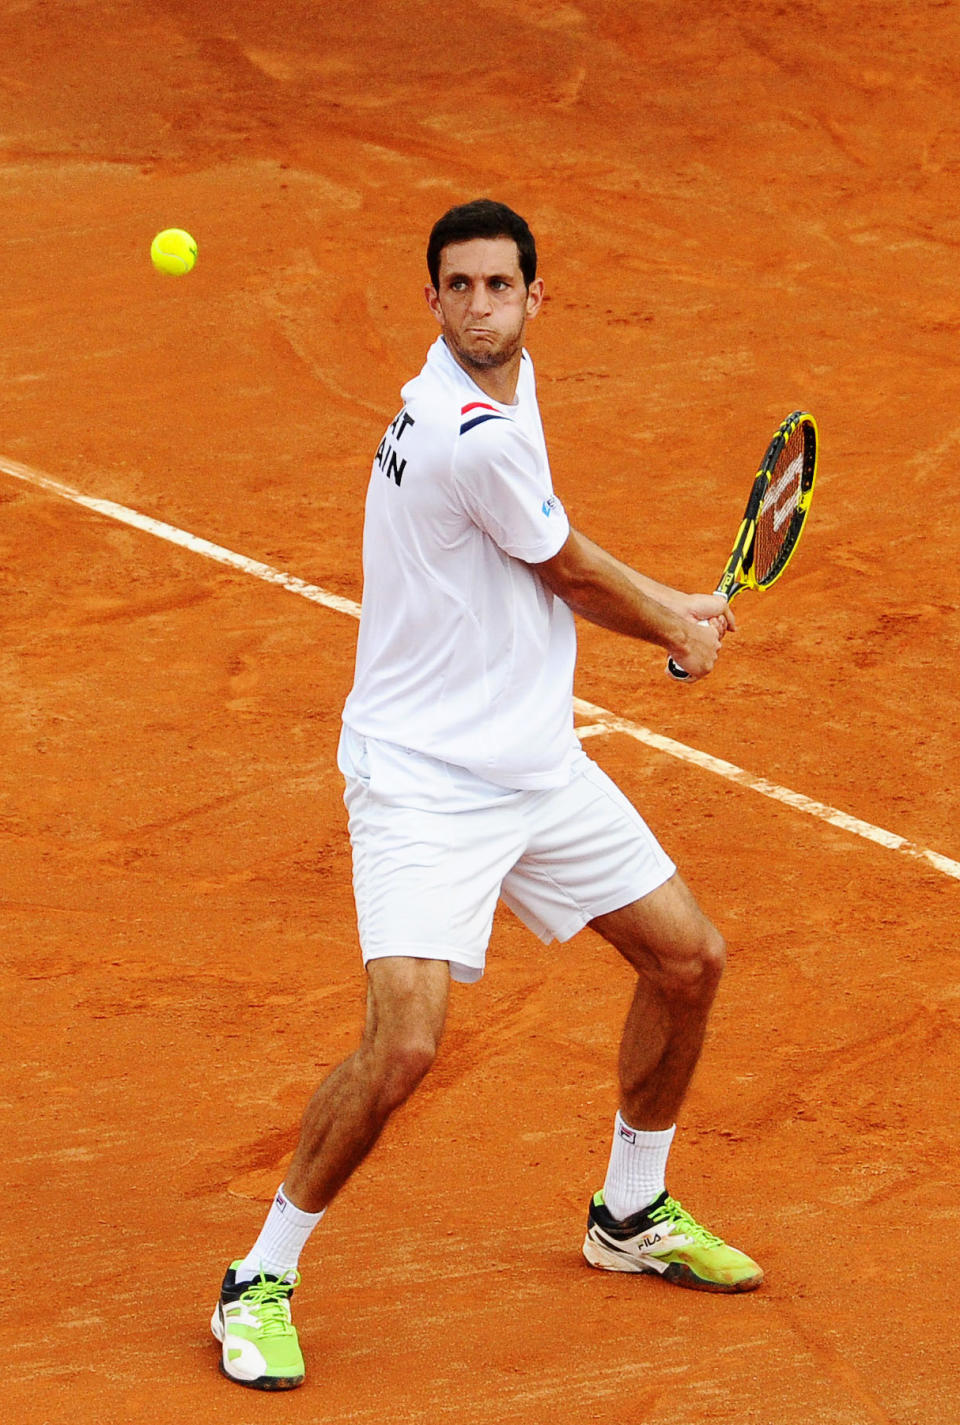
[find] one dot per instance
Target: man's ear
(534, 297)
(433, 302)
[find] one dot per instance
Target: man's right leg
(406, 1009)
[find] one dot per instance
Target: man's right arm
(607, 592)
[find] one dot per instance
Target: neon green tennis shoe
(665, 1240)
(258, 1339)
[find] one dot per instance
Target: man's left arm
(602, 589)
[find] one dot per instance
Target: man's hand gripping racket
(775, 515)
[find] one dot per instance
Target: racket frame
(738, 573)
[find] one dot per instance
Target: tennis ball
(173, 251)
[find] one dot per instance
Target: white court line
(607, 722)
(604, 722)
(173, 535)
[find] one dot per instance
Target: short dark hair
(483, 218)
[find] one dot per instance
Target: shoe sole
(268, 1383)
(677, 1273)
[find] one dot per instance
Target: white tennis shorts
(426, 881)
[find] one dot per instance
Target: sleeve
(504, 484)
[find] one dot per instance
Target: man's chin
(485, 358)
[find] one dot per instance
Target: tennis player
(465, 782)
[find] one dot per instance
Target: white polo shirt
(464, 655)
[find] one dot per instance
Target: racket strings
(777, 525)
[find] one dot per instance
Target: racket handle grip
(674, 669)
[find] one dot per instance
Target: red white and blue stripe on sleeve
(484, 413)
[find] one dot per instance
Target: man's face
(482, 302)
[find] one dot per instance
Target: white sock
(637, 1169)
(282, 1238)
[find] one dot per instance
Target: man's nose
(479, 300)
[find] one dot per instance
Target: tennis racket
(775, 515)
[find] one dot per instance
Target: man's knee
(668, 940)
(403, 1062)
(713, 954)
(697, 970)
(407, 1008)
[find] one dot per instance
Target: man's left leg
(634, 1225)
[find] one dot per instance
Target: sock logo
(627, 1133)
(280, 1202)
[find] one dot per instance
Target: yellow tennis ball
(173, 251)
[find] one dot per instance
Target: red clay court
(740, 210)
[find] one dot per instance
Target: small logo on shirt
(550, 505)
(487, 413)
